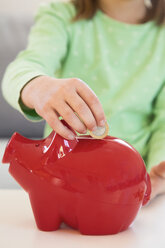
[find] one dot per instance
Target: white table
(18, 228)
(6, 180)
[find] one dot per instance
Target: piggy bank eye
(37, 145)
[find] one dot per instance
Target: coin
(101, 132)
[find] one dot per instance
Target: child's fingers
(93, 102)
(70, 117)
(159, 169)
(57, 125)
(83, 110)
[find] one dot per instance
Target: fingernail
(84, 131)
(94, 129)
(71, 136)
(102, 123)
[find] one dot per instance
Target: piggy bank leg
(45, 211)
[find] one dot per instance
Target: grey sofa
(14, 31)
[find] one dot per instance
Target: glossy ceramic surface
(95, 186)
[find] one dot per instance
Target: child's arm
(156, 145)
(29, 84)
(47, 46)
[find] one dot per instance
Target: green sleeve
(156, 145)
(47, 47)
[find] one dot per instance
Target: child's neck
(128, 11)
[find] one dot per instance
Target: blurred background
(16, 18)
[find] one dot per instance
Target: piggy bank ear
(56, 147)
(148, 191)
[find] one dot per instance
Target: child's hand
(52, 98)
(157, 176)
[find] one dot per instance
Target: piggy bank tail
(148, 191)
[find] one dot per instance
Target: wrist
(28, 91)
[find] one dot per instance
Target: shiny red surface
(95, 186)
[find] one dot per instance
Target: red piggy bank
(95, 186)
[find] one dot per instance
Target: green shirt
(124, 64)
